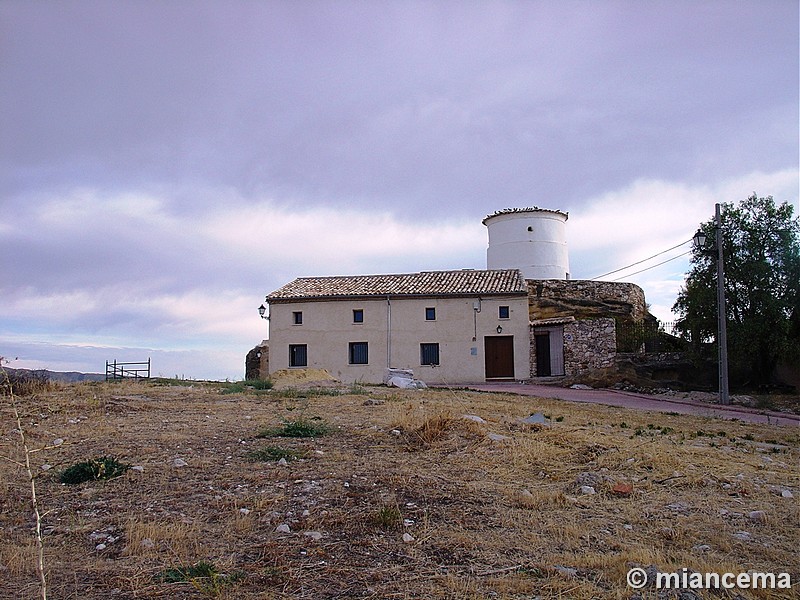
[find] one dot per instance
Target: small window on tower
(503, 312)
(358, 315)
(297, 317)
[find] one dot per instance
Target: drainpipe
(388, 332)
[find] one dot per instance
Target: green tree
(762, 288)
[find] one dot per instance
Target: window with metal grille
(298, 355)
(429, 354)
(297, 316)
(430, 314)
(358, 315)
(359, 353)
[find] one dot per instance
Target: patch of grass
(248, 385)
(204, 576)
(273, 453)
(388, 516)
(105, 467)
(299, 428)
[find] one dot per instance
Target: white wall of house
(394, 329)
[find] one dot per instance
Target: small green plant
(271, 453)
(105, 467)
(624, 425)
(248, 385)
(388, 516)
(204, 576)
(559, 419)
(299, 428)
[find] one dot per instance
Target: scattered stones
(759, 516)
(627, 527)
(580, 386)
(474, 418)
(138, 468)
(283, 528)
(569, 572)
(701, 548)
(786, 494)
(46, 467)
(622, 489)
(396, 432)
(179, 462)
(535, 419)
(374, 402)
(587, 490)
(282, 463)
(244, 511)
(496, 437)
(58, 441)
(679, 507)
(314, 535)
(408, 538)
(147, 543)
(743, 536)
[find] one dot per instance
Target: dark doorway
(499, 351)
(543, 355)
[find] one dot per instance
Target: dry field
(401, 496)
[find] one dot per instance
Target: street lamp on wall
(261, 310)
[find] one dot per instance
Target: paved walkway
(643, 402)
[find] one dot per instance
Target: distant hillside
(66, 377)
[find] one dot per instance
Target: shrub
(239, 387)
(106, 467)
(299, 428)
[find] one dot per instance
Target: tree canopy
(762, 288)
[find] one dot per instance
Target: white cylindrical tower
(533, 240)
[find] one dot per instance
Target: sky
(166, 165)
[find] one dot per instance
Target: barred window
(298, 355)
(359, 353)
(429, 354)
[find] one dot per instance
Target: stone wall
(553, 298)
(256, 364)
(589, 344)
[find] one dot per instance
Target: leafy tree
(762, 288)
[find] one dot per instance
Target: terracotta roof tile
(466, 282)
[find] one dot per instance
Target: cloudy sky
(165, 165)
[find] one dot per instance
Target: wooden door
(543, 354)
(499, 353)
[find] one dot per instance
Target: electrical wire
(643, 260)
(654, 266)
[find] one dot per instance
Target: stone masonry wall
(552, 298)
(589, 344)
(256, 364)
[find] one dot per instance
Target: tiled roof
(465, 282)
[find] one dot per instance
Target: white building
(449, 327)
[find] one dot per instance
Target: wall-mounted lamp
(261, 310)
(499, 329)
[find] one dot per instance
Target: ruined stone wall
(553, 298)
(256, 364)
(589, 344)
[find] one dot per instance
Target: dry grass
(502, 519)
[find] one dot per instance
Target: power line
(654, 266)
(643, 260)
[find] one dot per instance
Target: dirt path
(643, 402)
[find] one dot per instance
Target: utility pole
(722, 341)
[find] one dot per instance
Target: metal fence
(647, 337)
(127, 370)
